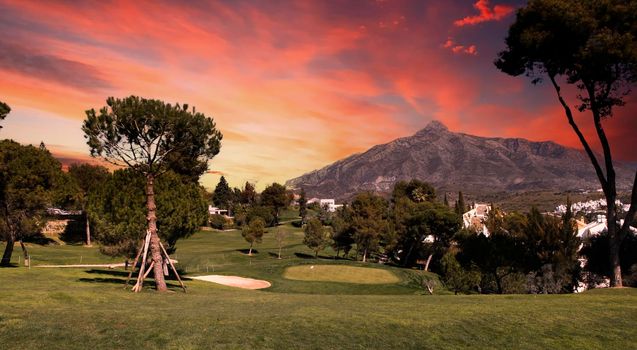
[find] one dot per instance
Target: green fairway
(339, 273)
(88, 307)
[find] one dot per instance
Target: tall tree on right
(592, 45)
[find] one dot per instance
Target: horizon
(293, 87)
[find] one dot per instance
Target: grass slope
(80, 308)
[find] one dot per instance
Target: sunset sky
(293, 85)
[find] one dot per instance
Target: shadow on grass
(74, 232)
(124, 274)
(39, 239)
(246, 251)
(122, 282)
(10, 266)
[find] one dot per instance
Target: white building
(476, 217)
(329, 205)
(597, 227)
(216, 211)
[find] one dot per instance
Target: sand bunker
(235, 281)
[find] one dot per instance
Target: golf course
(322, 303)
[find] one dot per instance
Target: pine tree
(460, 206)
(302, 206)
(222, 195)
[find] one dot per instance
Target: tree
(151, 137)
(551, 245)
(253, 232)
(592, 45)
(416, 190)
(222, 196)
(117, 210)
(88, 178)
(249, 194)
(275, 196)
(28, 180)
(369, 220)
(315, 236)
(302, 206)
(460, 207)
(4, 111)
(262, 212)
(280, 235)
(456, 278)
(343, 231)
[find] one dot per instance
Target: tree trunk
(365, 255)
(607, 181)
(155, 249)
(88, 230)
(279, 253)
(428, 261)
(498, 282)
(8, 251)
(25, 253)
(615, 244)
(250, 252)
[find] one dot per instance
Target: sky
(292, 85)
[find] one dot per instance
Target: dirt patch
(235, 281)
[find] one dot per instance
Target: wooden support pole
(130, 274)
(140, 279)
(172, 266)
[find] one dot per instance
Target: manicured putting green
(340, 273)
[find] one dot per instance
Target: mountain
(458, 162)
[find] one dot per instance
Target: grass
(80, 308)
(340, 273)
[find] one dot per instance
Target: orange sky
(293, 85)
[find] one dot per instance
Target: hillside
(458, 162)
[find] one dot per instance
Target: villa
(476, 217)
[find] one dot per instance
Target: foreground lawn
(88, 308)
(76, 309)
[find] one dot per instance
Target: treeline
(523, 253)
(246, 204)
(113, 205)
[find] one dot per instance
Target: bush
(218, 221)
(265, 213)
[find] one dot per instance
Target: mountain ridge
(457, 162)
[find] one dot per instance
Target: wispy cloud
(30, 62)
(486, 13)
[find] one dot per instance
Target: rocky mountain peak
(434, 126)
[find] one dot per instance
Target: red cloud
(460, 49)
(486, 14)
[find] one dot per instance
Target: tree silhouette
(592, 45)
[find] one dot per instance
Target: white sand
(235, 281)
